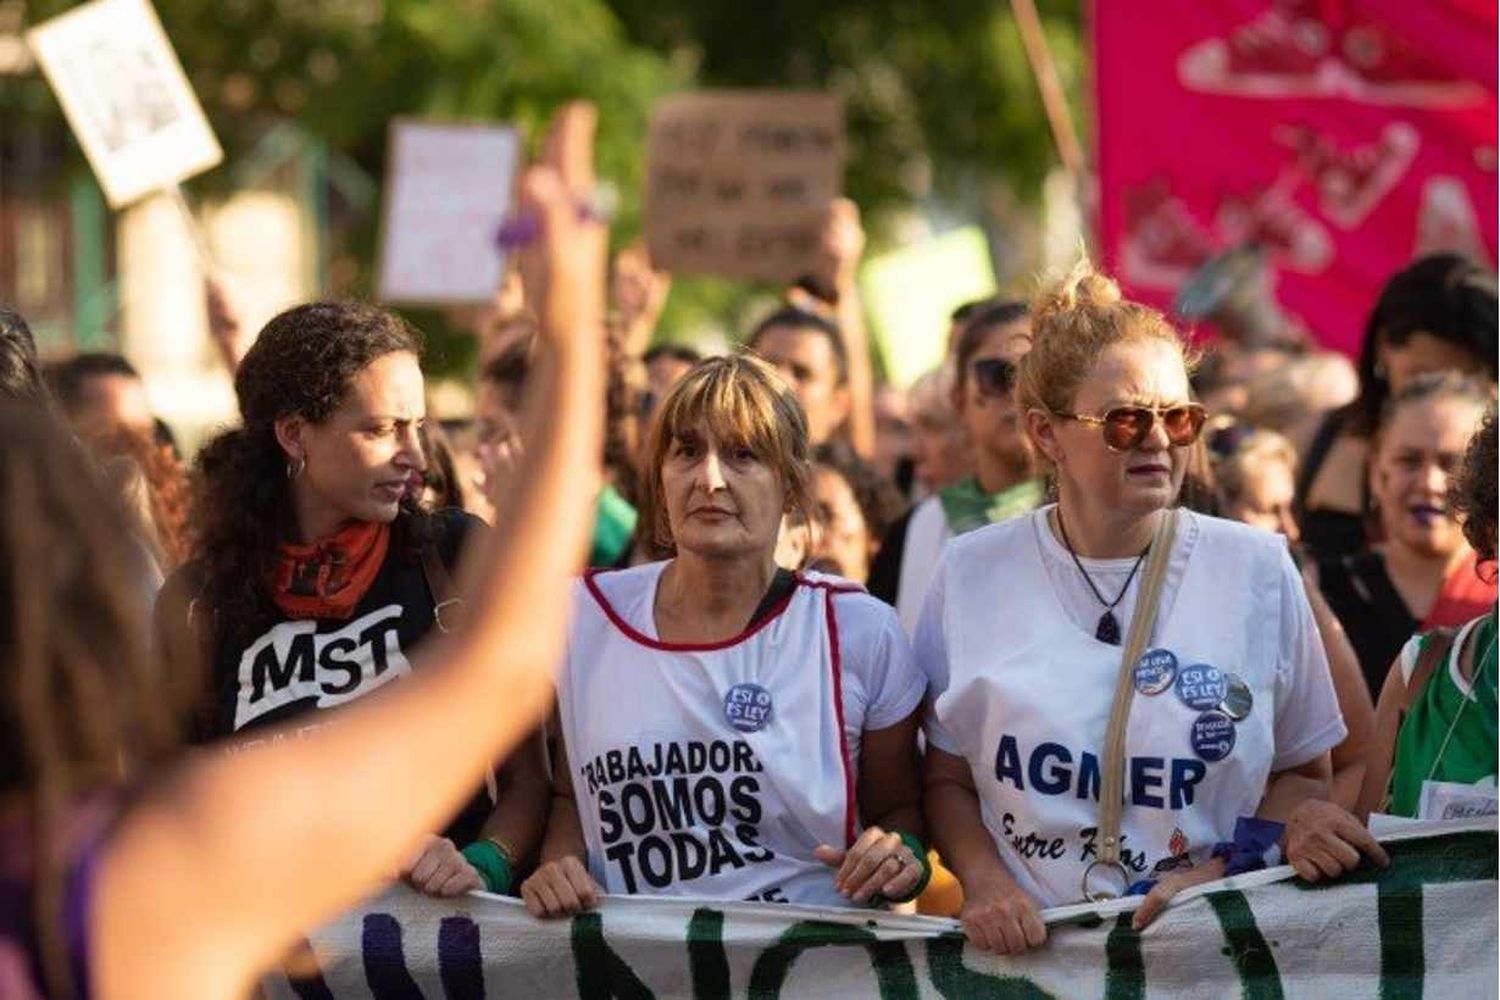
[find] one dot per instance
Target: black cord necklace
(1108, 629)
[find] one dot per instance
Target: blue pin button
(1155, 671)
(1212, 736)
(748, 708)
(1201, 686)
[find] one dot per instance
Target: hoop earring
(294, 468)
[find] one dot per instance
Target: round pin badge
(1237, 697)
(1212, 736)
(1155, 671)
(748, 708)
(1200, 686)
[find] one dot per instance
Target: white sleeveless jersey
(1028, 696)
(711, 770)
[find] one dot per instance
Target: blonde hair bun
(1082, 289)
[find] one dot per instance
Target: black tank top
(1378, 622)
(1327, 533)
(295, 669)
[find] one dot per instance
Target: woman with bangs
(732, 730)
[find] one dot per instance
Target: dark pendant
(1108, 630)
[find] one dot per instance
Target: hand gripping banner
(1425, 927)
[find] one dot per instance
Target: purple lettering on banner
(459, 964)
(385, 962)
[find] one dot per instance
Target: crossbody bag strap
(1112, 777)
(440, 584)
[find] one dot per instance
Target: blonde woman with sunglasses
(1222, 723)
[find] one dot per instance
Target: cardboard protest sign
(126, 97)
(447, 190)
(737, 182)
(909, 294)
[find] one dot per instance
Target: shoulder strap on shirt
(1142, 623)
(1433, 653)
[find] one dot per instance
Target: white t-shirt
(715, 769)
(1019, 686)
(882, 684)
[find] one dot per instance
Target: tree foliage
(940, 102)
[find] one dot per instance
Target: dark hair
(1473, 493)
(792, 318)
(300, 365)
(69, 377)
(986, 317)
(1443, 295)
(818, 288)
(967, 309)
(20, 373)
(878, 499)
(1436, 385)
(508, 371)
(81, 704)
(441, 476)
(675, 352)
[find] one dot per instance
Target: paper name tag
(1450, 800)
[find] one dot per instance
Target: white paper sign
(126, 97)
(447, 190)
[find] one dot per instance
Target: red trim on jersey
(635, 635)
(837, 659)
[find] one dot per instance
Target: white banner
(1425, 927)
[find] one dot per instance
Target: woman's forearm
(959, 834)
(1288, 789)
(524, 796)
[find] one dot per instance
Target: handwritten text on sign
(738, 182)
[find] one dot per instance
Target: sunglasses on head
(1125, 427)
(1227, 435)
(994, 376)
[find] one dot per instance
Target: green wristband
(491, 863)
(920, 853)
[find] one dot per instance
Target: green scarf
(968, 507)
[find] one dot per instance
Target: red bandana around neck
(327, 578)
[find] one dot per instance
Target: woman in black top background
(1437, 314)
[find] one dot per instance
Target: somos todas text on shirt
(294, 662)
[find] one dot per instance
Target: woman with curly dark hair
(1435, 725)
(315, 570)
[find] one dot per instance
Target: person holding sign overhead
(1125, 695)
(126, 881)
(731, 730)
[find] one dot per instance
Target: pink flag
(1344, 136)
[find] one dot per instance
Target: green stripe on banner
(1259, 979)
(1403, 964)
(1452, 857)
(956, 981)
(600, 973)
(1125, 979)
(894, 975)
(706, 956)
